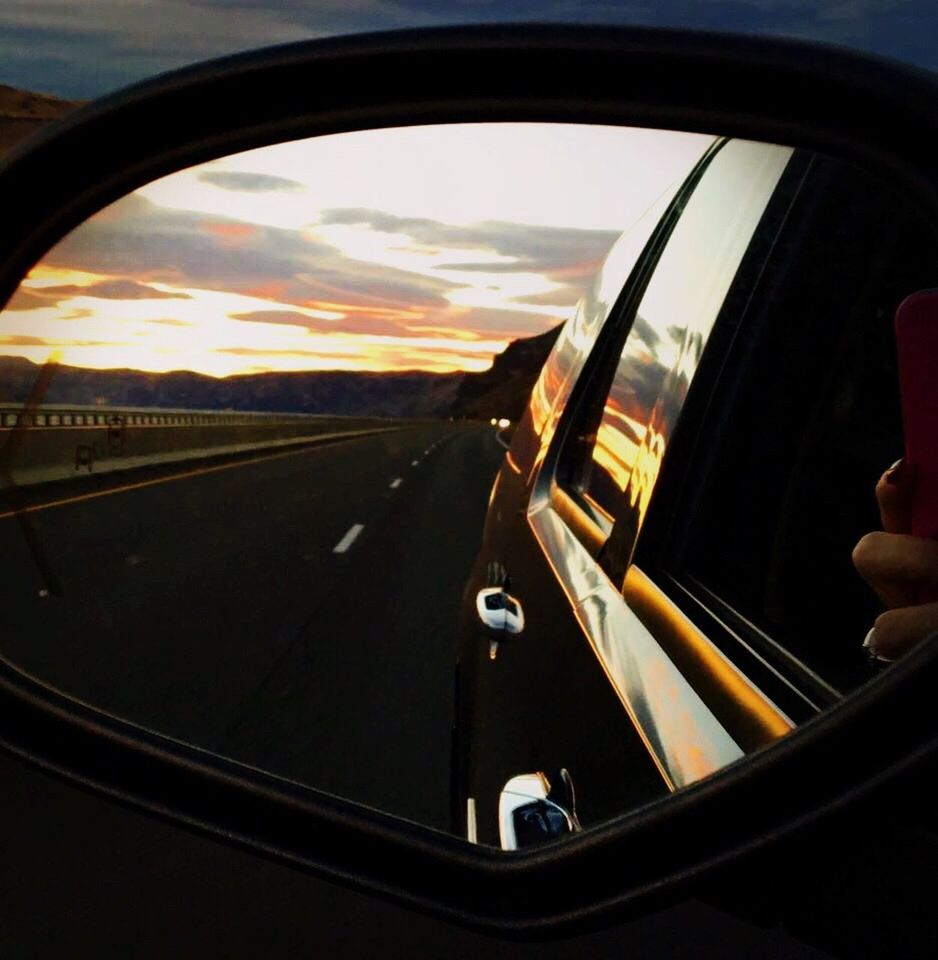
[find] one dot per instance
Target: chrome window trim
(684, 738)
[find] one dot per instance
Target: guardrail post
(115, 436)
(84, 456)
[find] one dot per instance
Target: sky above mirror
(426, 248)
(85, 48)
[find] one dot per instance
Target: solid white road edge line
(396, 483)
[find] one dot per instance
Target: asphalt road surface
(296, 612)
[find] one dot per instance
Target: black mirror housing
(872, 112)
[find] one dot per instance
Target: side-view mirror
(531, 811)
(129, 508)
(499, 610)
(501, 615)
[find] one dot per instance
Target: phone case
(916, 328)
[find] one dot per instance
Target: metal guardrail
(52, 442)
(13, 415)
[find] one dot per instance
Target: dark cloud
(566, 296)
(26, 299)
(114, 290)
(17, 340)
(147, 242)
(22, 340)
(567, 256)
(645, 332)
(357, 324)
(250, 182)
(483, 267)
(23, 299)
(535, 248)
(277, 316)
(494, 324)
(252, 352)
(143, 240)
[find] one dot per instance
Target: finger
(898, 631)
(894, 496)
(902, 569)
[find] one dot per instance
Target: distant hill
(407, 394)
(501, 391)
(22, 113)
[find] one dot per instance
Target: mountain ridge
(500, 391)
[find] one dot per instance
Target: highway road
(296, 612)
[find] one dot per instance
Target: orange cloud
(275, 290)
(386, 312)
(452, 333)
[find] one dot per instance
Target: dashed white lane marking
(425, 452)
(349, 538)
(396, 483)
(472, 834)
(414, 463)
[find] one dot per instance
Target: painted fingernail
(869, 645)
(894, 473)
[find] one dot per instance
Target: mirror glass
(416, 464)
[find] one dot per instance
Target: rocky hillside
(407, 394)
(503, 390)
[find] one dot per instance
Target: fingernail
(869, 645)
(894, 473)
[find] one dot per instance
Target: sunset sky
(419, 248)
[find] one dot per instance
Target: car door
(586, 686)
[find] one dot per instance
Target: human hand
(901, 568)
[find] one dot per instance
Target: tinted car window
(556, 378)
(809, 418)
(627, 431)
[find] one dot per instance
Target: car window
(559, 372)
(806, 419)
(611, 457)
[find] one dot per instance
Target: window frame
(791, 683)
(585, 517)
(661, 552)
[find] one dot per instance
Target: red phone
(917, 343)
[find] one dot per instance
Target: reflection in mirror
(404, 463)
(530, 812)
